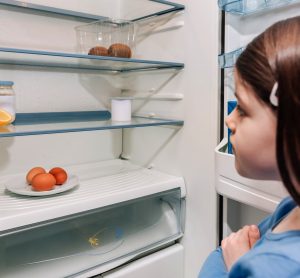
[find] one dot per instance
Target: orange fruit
(5, 118)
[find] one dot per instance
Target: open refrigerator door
(245, 201)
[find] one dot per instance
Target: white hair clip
(273, 96)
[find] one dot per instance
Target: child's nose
(230, 123)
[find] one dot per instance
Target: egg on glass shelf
(59, 174)
(33, 172)
(43, 182)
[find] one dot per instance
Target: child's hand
(237, 244)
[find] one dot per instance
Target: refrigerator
(154, 194)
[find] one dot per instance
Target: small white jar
(121, 109)
(7, 99)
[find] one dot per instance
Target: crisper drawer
(263, 195)
(97, 239)
(162, 264)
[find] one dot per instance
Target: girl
(265, 137)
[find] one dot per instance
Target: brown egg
(43, 182)
(59, 174)
(33, 172)
(119, 50)
(98, 51)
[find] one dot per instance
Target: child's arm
(217, 263)
(265, 265)
(238, 244)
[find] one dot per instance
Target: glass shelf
(227, 60)
(62, 122)
(244, 7)
(153, 8)
(37, 58)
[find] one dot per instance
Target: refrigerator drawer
(101, 238)
(164, 263)
(263, 195)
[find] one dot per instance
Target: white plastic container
(121, 109)
(7, 100)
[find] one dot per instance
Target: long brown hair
(274, 56)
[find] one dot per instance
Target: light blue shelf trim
(37, 58)
(64, 122)
(60, 117)
(227, 60)
(85, 16)
(244, 7)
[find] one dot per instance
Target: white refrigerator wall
(187, 152)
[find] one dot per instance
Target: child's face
(253, 137)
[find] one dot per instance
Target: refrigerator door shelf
(100, 184)
(244, 7)
(264, 195)
(227, 60)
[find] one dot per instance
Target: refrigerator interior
(188, 94)
(246, 201)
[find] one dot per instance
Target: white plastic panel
(263, 195)
(164, 263)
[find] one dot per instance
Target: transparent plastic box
(107, 37)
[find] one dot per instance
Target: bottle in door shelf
(7, 103)
(231, 104)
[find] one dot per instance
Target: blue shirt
(274, 255)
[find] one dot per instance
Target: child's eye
(241, 112)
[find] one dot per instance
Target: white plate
(19, 186)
